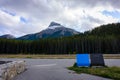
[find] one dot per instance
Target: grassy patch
(107, 72)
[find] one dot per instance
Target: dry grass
(39, 56)
(59, 56)
(111, 56)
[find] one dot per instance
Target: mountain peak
(54, 24)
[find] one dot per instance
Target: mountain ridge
(54, 30)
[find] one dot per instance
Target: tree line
(70, 45)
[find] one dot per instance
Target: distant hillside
(7, 36)
(105, 30)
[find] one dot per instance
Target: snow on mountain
(54, 25)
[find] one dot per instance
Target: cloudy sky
(20, 17)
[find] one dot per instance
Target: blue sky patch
(8, 12)
(22, 19)
(114, 14)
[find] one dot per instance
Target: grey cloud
(89, 22)
(45, 9)
(91, 3)
(6, 30)
(94, 20)
(82, 3)
(85, 27)
(115, 3)
(42, 11)
(37, 8)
